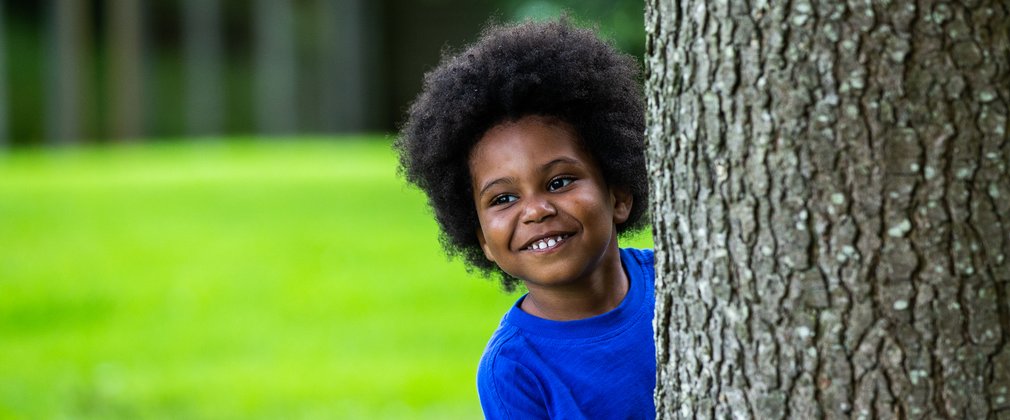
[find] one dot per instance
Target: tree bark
(831, 204)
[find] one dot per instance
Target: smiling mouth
(548, 243)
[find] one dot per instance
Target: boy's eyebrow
(503, 180)
(560, 160)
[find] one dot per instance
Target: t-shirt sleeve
(508, 390)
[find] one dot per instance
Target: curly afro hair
(534, 68)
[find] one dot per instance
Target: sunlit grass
(242, 279)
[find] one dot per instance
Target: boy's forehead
(530, 143)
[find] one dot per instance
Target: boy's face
(546, 214)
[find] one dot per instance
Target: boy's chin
(547, 280)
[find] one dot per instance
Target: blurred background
(111, 70)
(200, 215)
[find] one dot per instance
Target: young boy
(529, 146)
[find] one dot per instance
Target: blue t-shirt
(602, 367)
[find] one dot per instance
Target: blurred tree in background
(75, 71)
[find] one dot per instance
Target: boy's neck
(579, 300)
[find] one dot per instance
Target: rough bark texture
(831, 202)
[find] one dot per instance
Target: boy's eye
(503, 199)
(558, 183)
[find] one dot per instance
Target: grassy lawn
(243, 279)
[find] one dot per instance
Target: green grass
(242, 279)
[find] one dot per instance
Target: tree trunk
(4, 127)
(123, 33)
(831, 203)
(204, 98)
(276, 69)
(340, 79)
(69, 83)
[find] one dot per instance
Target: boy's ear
(483, 245)
(622, 204)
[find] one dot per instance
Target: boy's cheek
(483, 245)
(488, 255)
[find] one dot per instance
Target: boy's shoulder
(505, 385)
(642, 257)
(640, 265)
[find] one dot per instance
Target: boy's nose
(537, 209)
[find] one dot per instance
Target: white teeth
(546, 243)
